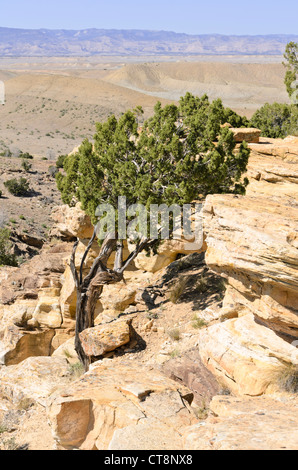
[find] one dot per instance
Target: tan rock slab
(246, 424)
(88, 414)
(105, 338)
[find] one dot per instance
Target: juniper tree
(181, 154)
(291, 56)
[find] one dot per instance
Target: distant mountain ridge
(51, 43)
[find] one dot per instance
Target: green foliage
(276, 120)
(181, 154)
(198, 323)
(26, 156)
(26, 165)
(235, 119)
(60, 161)
(291, 64)
(6, 258)
(17, 187)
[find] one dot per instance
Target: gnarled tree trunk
(89, 289)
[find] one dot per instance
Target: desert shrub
(174, 334)
(276, 120)
(202, 284)
(60, 161)
(287, 378)
(26, 165)
(6, 258)
(178, 289)
(53, 171)
(0, 193)
(198, 323)
(76, 370)
(235, 119)
(17, 187)
(26, 156)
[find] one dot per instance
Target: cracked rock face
(247, 424)
(111, 409)
(252, 242)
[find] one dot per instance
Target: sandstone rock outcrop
(71, 223)
(252, 242)
(124, 408)
(33, 379)
(247, 424)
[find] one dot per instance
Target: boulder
(71, 223)
(102, 339)
(249, 135)
(245, 356)
(116, 408)
(16, 345)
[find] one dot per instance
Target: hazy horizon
(192, 18)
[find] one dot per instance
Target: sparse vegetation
(26, 165)
(3, 428)
(174, 334)
(198, 323)
(16, 187)
(76, 370)
(175, 353)
(6, 257)
(202, 284)
(11, 445)
(287, 378)
(178, 289)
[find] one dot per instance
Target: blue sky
(188, 16)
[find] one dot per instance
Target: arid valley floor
(52, 104)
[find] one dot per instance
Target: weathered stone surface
(167, 253)
(247, 134)
(71, 222)
(91, 413)
(17, 345)
(47, 312)
(285, 149)
(67, 351)
(244, 355)
(105, 338)
(190, 371)
(148, 432)
(35, 378)
(247, 424)
(42, 271)
(250, 242)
